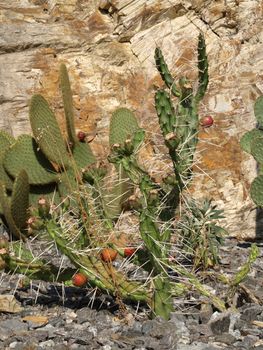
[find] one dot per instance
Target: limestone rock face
(108, 47)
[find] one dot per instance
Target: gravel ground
(53, 317)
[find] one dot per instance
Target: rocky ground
(52, 317)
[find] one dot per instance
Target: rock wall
(108, 47)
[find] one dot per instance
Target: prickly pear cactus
(25, 154)
(47, 132)
(252, 143)
(256, 190)
(122, 126)
(52, 170)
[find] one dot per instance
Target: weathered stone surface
(108, 47)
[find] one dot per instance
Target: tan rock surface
(108, 47)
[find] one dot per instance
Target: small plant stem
(243, 272)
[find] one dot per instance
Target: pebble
(73, 324)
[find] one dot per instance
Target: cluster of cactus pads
(252, 143)
(46, 165)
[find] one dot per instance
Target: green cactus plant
(73, 171)
(50, 167)
(180, 126)
(252, 143)
(180, 131)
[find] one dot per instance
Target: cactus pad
(122, 125)
(6, 141)
(20, 199)
(82, 155)
(47, 132)
(5, 204)
(67, 182)
(68, 103)
(258, 110)
(25, 154)
(257, 190)
(257, 149)
(247, 138)
(49, 192)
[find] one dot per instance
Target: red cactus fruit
(79, 279)
(207, 121)
(108, 254)
(129, 251)
(81, 135)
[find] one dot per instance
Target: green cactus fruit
(25, 154)
(82, 155)
(248, 137)
(202, 68)
(6, 141)
(68, 103)
(5, 204)
(20, 200)
(257, 149)
(164, 72)
(258, 110)
(123, 124)
(47, 132)
(256, 190)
